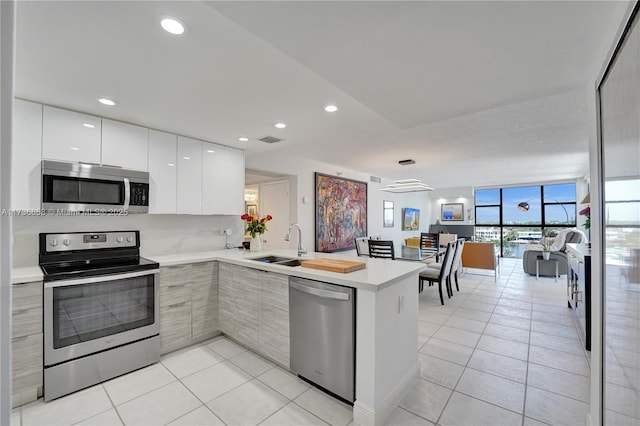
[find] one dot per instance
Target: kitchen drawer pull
(21, 311)
(177, 285)
(176, 305)
(19, 339)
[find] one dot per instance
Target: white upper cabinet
(70, 136)
(125, 145)
(26, 153)
(233, 183)
(162, 172)
(189, 187)
(213, 179)
(222, 180)
(186, 176)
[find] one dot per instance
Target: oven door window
(62, 189)
(91, 311)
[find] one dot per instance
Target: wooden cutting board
(334, 265)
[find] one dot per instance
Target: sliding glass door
(619, 95)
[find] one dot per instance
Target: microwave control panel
(139, 194)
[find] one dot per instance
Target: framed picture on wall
(252, 209)
(452, 212)
(410, 219)
(341, 212)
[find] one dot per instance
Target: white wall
(159, 234)
(304, 170)
(453, 195)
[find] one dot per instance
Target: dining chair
(456, 265)
(440, 276)
(382, 249)
(429, 244)
(362, 246)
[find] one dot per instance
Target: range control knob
(130, 239)
(53, 243)
(66, 242)
(119, 239)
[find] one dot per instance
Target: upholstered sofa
(558, 252)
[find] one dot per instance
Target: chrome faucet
(301, 249)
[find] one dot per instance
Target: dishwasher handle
(327, 294)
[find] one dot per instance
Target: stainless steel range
(101, 303)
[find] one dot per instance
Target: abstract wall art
(341, 212)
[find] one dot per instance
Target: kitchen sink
(279, 260)
(272, 259)
(292, 262)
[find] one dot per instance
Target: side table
(541, 259)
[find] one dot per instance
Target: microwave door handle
(127, 194)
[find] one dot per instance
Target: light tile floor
(497, 353)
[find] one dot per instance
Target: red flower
(269, 217)
(245, 216)
(262, 220)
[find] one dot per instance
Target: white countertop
(378, 274)
(26, 274)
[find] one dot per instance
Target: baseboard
(363, 414)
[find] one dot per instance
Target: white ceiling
(478, 93)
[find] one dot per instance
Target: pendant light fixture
(406, 185)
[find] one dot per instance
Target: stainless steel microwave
(85, 187)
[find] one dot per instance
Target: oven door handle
(99, 279)
(127, 194)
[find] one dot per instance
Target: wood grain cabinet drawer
(26, 322)
(27, 362)
(26, 302)
(175, 325)
(175, 293)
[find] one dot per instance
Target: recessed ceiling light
(210, 151)
(91, 126)
(171, 165)
(187, 158)
(107, 101)
(280, 125)
(173, 26)
(73, 148)
(331, 108)
(243, 139)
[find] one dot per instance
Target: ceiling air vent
(375, 179)
(270, 139)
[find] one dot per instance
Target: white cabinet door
(162, 172)
(233, 182)
(213, 179)
(26, 153)
(125, 145)
(189, 186)
(70, 136)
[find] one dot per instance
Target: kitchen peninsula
(386, 311)
(386, 318)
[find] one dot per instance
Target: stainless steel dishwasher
(322, 331)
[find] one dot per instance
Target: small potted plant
(546, 242)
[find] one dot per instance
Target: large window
(515, 216)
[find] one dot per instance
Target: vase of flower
(586, 212)
(546, 254)
(256, 226)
